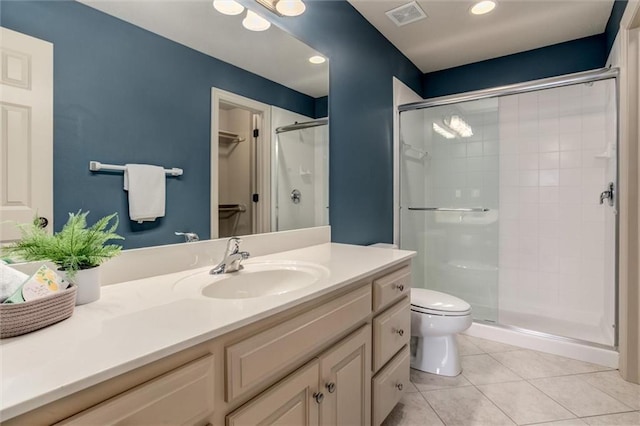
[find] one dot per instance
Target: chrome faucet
(232, 258)
(189, 237)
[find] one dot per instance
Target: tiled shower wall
(557, 153)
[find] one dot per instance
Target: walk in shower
(301, 178)
(508, 196)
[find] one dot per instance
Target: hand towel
(146, 185)
(10, 280)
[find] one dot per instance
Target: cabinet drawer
(266, 355)
(391, 287)
(182, 396)
(389, 384)
(391, 331)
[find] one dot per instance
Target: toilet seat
(435, 303)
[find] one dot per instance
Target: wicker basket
(21, 318)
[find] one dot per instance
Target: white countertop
(137, 322)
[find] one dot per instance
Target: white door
(26, 131)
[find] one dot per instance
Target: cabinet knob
(400, 287)
(400, 332)
(318, 396)
(399, 386)
(331, 387)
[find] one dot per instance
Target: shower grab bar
(446, 209)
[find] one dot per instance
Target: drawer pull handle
(399, 386)
(331, 387)
(318, 396)
(400, 287)
(400, 332)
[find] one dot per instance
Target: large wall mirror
(178, 84)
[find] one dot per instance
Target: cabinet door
(345, 381)
(291, 402)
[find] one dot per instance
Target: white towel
(146, 185)
(10, 280)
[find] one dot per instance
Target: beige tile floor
(506, 385)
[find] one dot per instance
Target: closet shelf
(229, 137)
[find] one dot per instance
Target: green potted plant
(77, 250)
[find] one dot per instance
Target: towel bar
(96, 166)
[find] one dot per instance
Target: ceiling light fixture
(290, 7)
(442, 132)
(459, 126)
(228, 7)
(483, 7)
(255, 22)
(317, 59)
(284, 7)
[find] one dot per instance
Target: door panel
(26, 131)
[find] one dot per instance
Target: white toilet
(435, 319)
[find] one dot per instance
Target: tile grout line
(496, 405)
(577, 375)
(430, 406)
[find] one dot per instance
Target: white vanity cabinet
(391, 335)
(182, 396)
(333, 389)
(322, 362)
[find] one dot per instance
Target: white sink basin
(255, 280)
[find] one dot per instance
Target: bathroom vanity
(332, 352)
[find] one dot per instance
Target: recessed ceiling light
(255, 22)
(290, 7)
(228, 7)
(316, 59)
(483, 7)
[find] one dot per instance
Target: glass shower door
(301, 177)
(449, 187)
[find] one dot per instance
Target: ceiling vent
(406, 14)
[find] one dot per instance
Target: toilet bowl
(435, 319)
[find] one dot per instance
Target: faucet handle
(233, 245)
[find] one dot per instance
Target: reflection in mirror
(133, 83)
(301, 175)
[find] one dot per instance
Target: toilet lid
(436, 301)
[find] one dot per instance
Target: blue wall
(362, 65)
(564, 58)
(124, 95)
(94, 53)
(613, 24)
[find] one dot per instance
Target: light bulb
(317, 59)
(255, 22)
(290, 7)
(483, 7)
(228, 7)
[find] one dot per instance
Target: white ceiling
(273, 54)
(451, 36)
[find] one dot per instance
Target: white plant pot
(88, 282)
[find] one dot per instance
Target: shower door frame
(525, 87)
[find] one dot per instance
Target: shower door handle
(609, 194)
